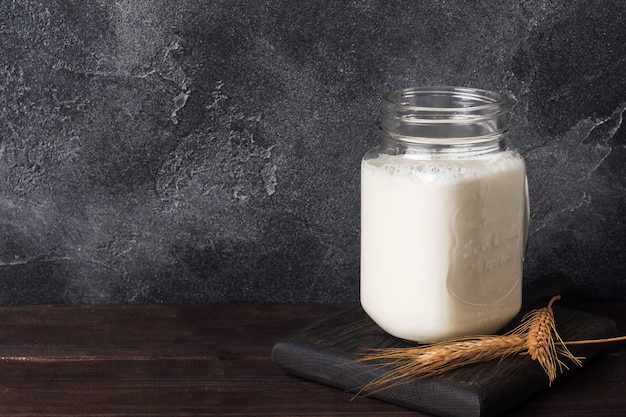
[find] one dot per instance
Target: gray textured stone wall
(201, 151)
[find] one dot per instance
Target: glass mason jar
(444, 216)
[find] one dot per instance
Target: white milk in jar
(444, 216)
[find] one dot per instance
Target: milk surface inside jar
(443, 227)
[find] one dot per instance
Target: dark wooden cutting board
(326, 352)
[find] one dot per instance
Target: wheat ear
(543, 342)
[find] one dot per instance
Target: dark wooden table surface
(199, 360)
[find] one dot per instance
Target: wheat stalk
(437, 358)
(536, 337)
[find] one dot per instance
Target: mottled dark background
(208, 151)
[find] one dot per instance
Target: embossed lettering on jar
(444, 216)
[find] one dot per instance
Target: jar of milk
(444, 216)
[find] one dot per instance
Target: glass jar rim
(460, 100)
(444, 116)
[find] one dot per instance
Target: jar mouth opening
(446, 100)
(444, 115)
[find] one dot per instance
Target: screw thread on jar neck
(445, 119)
